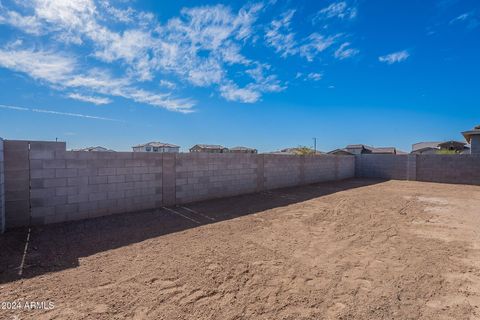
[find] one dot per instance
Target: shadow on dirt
(57, 247)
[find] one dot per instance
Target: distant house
(384, 150)
(340, 152)
(473, 137)
(159, 147)
(209, 148)
(438, 147)
(95, 149)
(242, 150)
(297, 151)
(356, 149)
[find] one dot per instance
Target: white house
(94, 149)
(159, 147)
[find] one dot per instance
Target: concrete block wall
(202, 176)
(283, 171)
(464, 169)
(72, 185)
(44, 183)
(384, 166)
(2, 189)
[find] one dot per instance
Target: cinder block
(77, 164)
(97, 196)
(54, 164)
(77, 181)
(97, 179)
(42, 173)
(106, 171)
(77, 198)
(116, 179)
(55, 182)
(66, 173)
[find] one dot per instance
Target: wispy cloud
(198, 46)
(67, 114)
(91, 99)
(344, 52)
(395, 57)
(315, 44)
(468, 18)
(280, 37)
(315, 76)
(62, 71)
(339, 10)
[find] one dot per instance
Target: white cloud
(395, 57)
(197, 47)
(280, 37)
(167, 84)
(232, 92)
(91, 99)
(315, 44)
(61, 71)
(467, 18)
(344, 52)
(29, 24)
(68, 114)
(314, 76)
(337, 10)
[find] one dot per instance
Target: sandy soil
(358, 249)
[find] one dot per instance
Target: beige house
(439, 146)
(94, 149)
(209, 148)
(158, 147)
(242, 150)
(473, 137)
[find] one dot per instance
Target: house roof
(97, 148)
(339, 151)
(468, 134)
(157, 144)
(423, 145)
(242, 149)
(293, 151)
(358, 146)
(209, 146)
(390, 150)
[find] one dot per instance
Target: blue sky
(270, 75)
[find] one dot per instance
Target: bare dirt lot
(357, 249)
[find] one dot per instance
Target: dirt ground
(356, 249)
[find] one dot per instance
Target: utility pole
(314, 146)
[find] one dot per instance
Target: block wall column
(336, 168)
(301, 177)
(169, 179)
(260, 159)
(412, 167)
(17, 183)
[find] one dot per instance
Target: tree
(303, 151)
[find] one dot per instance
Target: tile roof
(242, 149)
(157, 144)
(209, 146)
